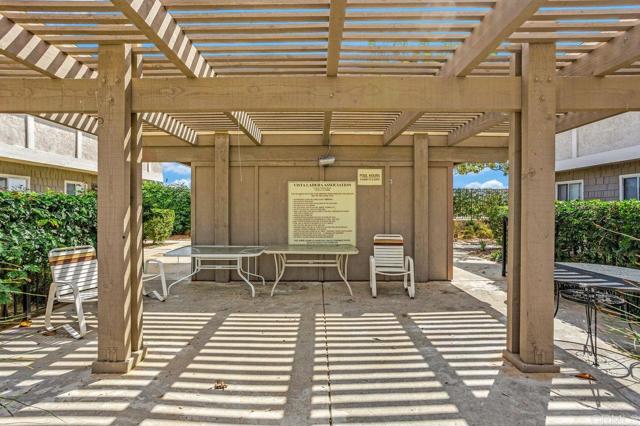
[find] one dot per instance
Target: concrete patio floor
(311, 355)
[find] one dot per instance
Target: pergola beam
(323, 94)
(618, 53)
(319, 94)
(246, 124)
(505, 18)
(402, 123)
(157, 24)
(337, 13)
(573, 120)
(476, 126)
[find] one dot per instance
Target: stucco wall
(618, 132)
(46, 178)
(89, 147)
(601, 182)
(54, 138)
(258, 202)
(12, 129)
(563, 146)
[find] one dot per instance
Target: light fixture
(326, 160)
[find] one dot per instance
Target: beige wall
(46, 178)
(258, 201)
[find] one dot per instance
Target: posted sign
(322, 213)
(369, 177)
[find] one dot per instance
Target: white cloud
(179, 169)
(186, 182)
(490, 184)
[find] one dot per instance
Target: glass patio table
(218, 257)
(316, 252)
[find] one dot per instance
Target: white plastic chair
(74, 272)
(389, 259)
(148, 276)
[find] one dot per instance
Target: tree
(466, 168)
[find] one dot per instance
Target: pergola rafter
(606, 59)
(33, 52)
(481, 124)
(159, 26)
(506, 17)
(246, 124)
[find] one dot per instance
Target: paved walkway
(311, 355)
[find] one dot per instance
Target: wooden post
(421, 206)
(114, 211)
(513, 232)
(537, 210)
(137, 257)
(221, 206)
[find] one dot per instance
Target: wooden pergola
(460, 80)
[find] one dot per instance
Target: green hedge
(158, 225)
(31, 225)
(175, 197)
(477, 203)
(590, 231)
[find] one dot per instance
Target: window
(74, 188)
(568, 191)
(630, 187)
(14, 183)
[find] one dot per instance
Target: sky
(175, 173)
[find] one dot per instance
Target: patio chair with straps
(389, 259)
(74, 272)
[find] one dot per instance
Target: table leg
(241, 273)
(280, 261)
(195, 271)
(595, 334)
(342, 269)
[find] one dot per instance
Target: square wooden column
(421, 207)
(137, 257)
(537, 204)
(513, 232)
(221, 206)
(115, 353)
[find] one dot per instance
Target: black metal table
(594, 286)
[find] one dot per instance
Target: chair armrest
(157, 262)
(71, 284)
(408, 262)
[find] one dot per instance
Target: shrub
(472, 229)
(156, 195)
(31, 225)
(159, 225)
(476, 203)
(598, 232)
(495, 219)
